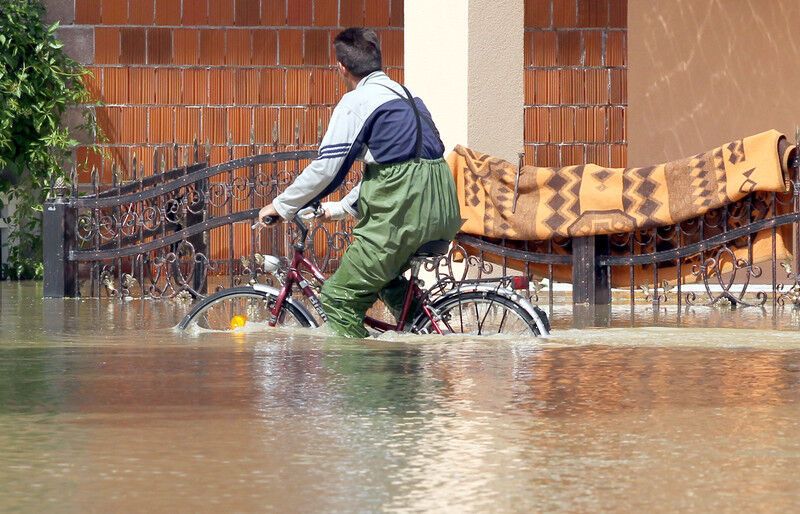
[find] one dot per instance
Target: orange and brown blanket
(591, 200)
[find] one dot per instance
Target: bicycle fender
(534, 312)
(262, 288)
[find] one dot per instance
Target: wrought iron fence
(170, 233)
(187, 230)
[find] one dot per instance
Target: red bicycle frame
(293, 276)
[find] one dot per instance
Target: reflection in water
(104, 408)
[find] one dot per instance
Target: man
(406, 196)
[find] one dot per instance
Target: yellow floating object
(238, 322)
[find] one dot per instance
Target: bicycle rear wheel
(481, 313)
(243, 308)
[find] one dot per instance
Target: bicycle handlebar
(272, 220)
(313, 210)
(269, 220)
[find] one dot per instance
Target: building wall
(496, 89)
(231, 73)
(705, 72)
(219, 71)
(237, 76)
(223, 70)
(444, 98)
(575, 82)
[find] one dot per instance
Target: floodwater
(104, 408)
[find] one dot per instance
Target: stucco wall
(438, 70)
(464, 57)
(704, 72)
(496, 83)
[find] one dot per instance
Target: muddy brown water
(104, 408)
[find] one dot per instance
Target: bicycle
(476, 306)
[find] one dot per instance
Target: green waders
(402, 206)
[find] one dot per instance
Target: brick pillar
(575, 82)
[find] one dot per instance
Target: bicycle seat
(433, 249)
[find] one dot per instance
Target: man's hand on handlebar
(334, 211)
(267, 215)
(327, 211)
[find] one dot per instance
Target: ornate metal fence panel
(178, 232)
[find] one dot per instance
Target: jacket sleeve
(350, 202)
(337, 152)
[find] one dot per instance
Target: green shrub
(38, 82)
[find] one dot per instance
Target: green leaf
(38, 81)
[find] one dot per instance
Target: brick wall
(219, 71)
(228, 70)
(231, 73)
(575, 82)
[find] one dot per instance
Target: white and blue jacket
(374, 123)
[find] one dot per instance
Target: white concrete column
(464, 58)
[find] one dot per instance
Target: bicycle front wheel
(481, 313)
(243, 308)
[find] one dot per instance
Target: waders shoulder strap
(410, 101)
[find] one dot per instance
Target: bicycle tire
(216, 311)
(480, 313)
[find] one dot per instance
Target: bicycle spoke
(483, 321)
(460, 316)
(477, 316)
(482, 313)
(502, 321)
(450, 328)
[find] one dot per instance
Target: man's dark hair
(358, 50)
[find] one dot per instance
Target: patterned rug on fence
(590, 200)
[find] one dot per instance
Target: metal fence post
(2, 261)
(58, 234)
(200, 241)
(794, 166)
(591, 290)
